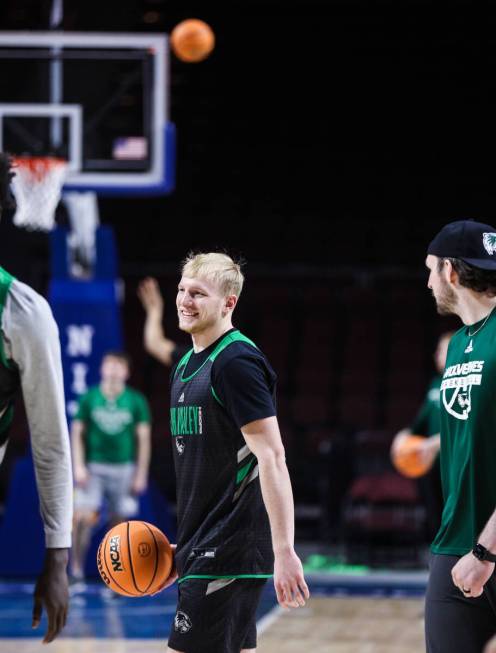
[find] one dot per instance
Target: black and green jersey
(10, 381)
(468, 431)
(427, 420)
(223, 527)
(110, 424)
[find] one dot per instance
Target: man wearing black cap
(461, 595)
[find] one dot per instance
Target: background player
(231, 471)
(460, 594)
(156, 343)
(30, 361)
(111, 450)
(426, 423)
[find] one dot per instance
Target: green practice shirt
(427, 419)
(110, 425)
(468, 437)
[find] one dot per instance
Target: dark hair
(120, 355)
(483, 281)
(7, 200)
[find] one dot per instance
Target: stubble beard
(446, 301)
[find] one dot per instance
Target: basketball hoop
(37, 186)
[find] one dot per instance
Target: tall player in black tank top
(235, 503)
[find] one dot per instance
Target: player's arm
(78, 452)
(143, 454)
(491, 646)
(429, 448)
(264, 440)
(32, 341)
(154, 339)
(472, 574)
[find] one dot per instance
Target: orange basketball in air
(192, 40)
(134, 558)
(406, 457)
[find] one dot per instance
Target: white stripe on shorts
(218, 584)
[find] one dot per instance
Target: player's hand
(470, 575)
(81, 475)
(289, 581)
(52, 593)
(139, 484)
(150, 295)
(398, 441)
(428, 451)
(171, 579)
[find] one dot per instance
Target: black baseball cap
(470, 241)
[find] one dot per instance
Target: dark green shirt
(110, 434)
(468, 437)
(427, 419)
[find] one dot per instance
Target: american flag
(130, 147)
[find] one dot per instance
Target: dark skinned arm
(51, 593)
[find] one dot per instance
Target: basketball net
(37, 186)
(82, 210)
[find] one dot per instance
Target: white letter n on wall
(79, 339)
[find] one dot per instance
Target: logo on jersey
(470, 347)
(181, 398)
(489, 242)
(456, 387)
(180, 444)
(186, 420)
(182, 623)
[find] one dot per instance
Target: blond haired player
(235, 503)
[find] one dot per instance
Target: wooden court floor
(348, 625)
(325, 625)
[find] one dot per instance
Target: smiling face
(442, 291)
(201, 305)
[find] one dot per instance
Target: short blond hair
(216, 267)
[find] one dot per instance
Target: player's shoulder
(28, 305)
(242, 353)
(239, 347)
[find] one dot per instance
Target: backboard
(98, 100)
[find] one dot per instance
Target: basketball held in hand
(135, 558)
(407, 457)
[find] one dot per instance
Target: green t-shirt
(111, 424)
(427, 419)
(468, 437)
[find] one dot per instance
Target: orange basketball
(192, 40)
(407, 459)
(134, 558)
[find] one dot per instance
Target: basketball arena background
(325, 143)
